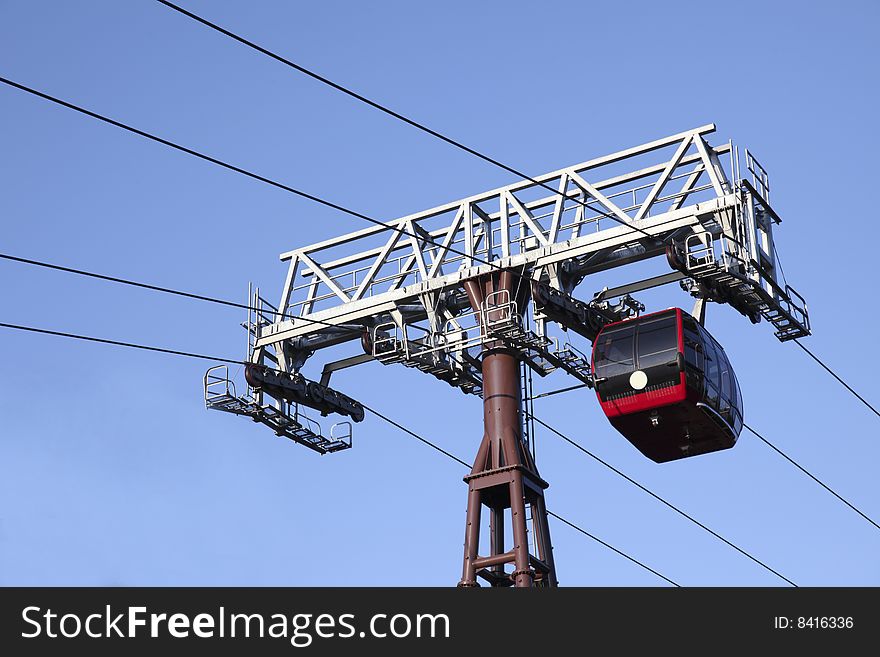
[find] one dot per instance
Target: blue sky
(114, 473)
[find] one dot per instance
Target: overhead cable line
(156, 288)
(460, 461)
(117, 343)
(660, 499)
(244, 172)
(839, 380)
(415, 435)
(809, 474)
(123, 281)
(392, 113)
(799, 344)
(561, 390)
(610, 547)
(274, 183)
(187, 354)
(766, 442)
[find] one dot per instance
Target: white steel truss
(398, 288)
(608, 211)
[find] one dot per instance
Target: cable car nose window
(712, 374)
(614, 353)
(658, 342)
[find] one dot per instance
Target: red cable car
(666, 384)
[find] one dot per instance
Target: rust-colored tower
(504, 475)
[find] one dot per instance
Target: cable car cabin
(667, 386)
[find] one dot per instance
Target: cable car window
(657, 341)
(693, 349)
(724, 367)
(737, 392)
(737, 414)
(712, 371)
(614, 353)
(688, 323)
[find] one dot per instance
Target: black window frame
(712, 380)
(599, 366)
(669, 316)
